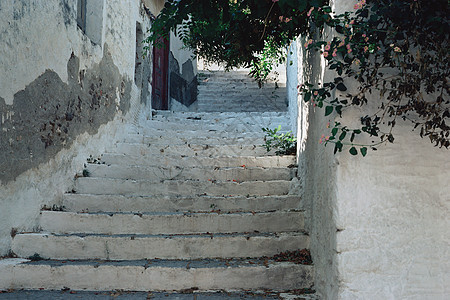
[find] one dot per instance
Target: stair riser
(216, 119)
(127, 248)
(178, 133)
(237, 116)
(158, 173)
(119, 203)
(231, 108)
(181, 140)
(57, 222)
(218, 127)
(189, 150)
(183, 162)
(105, 186)
(140, 278)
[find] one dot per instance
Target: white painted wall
(379, 224)
(34, 38)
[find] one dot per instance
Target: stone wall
(378, 224)
(63, 97)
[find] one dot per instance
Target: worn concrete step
(241, 139)
(154, 151)
(132, 295)
(236, 116)
(256, 106)
(243, 127)
(135, 247)
(239, 174)
(221, 118)
(167, 136)
(111, 186)
(122, 203)
(200, 161)
(208, 128)
(158, 275)
(170, 223)
(169, 133)
(231, 91)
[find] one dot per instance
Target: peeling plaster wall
(182, 76)
(62, 98)
(379, 224)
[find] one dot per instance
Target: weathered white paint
(379, 224)
(36, 37)
(159, 246)
(278, 276)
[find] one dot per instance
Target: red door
(160, 77)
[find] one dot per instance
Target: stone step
(200, 161)
(154, 151)
(196, 173)
(231, 92)
(243, 139)
(237, 127)
(135, 247)
(252, 108)
(123, 203)
(110, 186)
(170, 223)
(206, 135)
(166, 133)
(191, 294)
(236, 116)
(158, 275)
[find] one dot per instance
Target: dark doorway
(160, 76)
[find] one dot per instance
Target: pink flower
(364, 35)
(348, 46)
(328, 125)
(325, 54)
(334, 52)
(349, 51)
(310, 11)
(366, 48)
(352, 22)
(316, 93)
(327, 47)
(342, 43)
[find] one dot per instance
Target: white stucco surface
(37, 37)
(378, 224)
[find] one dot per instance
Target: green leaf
(342, 136)
(353, 151)
(364, 151)
(307, 97)
(328, 110)
(341, 87)
(334, 131)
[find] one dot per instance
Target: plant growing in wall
(395, 50)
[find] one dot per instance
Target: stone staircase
(186, 202)
(221, 91)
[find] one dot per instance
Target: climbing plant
(396, 51)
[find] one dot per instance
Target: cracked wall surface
(62, 98)
(49, 114)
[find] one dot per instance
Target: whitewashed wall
(379, 224)
(41, 35)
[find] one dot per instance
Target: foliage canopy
(395, 48)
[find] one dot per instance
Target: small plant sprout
(283, 143)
